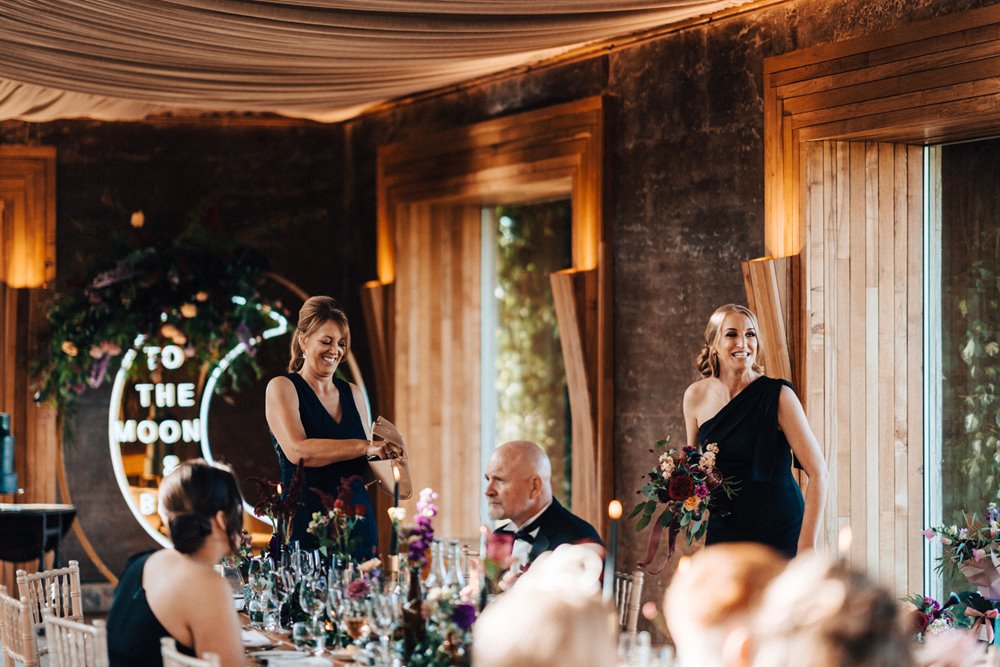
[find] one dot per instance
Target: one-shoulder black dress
(133, 631)
(753, 451)
(318, 423)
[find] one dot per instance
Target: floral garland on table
(684, 483)
(199, 293)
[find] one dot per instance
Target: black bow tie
(523, 534)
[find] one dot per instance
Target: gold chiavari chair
(174, 658)
(628, 598)
(75, 644)
(16, 632)
(57, 590)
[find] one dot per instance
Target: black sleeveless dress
(134, 633)
(752, 450)
(318, 423)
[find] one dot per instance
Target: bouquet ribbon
(981, 619)
(654, 544)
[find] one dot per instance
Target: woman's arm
(281, 407)
(691, 400)
(213, 621)
(792, 420)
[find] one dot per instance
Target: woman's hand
(383, 449)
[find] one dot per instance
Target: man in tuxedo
(519, 489)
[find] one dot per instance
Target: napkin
(307, 661)
(254, 639)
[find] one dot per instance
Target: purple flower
(464, 615)
(358, 589)
(701, 491)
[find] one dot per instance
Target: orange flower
(691, 504)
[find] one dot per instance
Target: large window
(964, 265)
(524, 380)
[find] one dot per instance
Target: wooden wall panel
(27, 263)
(861, 211)
(436, 376)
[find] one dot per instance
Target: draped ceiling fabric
(325, 60)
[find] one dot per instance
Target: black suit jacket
(557, 525)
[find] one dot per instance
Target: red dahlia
(681, 487)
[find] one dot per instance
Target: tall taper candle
(614, 513)
(395, 486)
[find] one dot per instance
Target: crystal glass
(309, 636)
(232, 575)
(313, 595)
(383, 617)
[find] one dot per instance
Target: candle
(614, 513)
(844, 542)
(395, 486)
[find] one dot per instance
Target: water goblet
(355, 620)
(309, 636)
(383, 616)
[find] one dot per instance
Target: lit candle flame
(614, 509)
(279, 488)
(844, 540)
(395, 472)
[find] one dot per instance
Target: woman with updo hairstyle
(754, 425)
(177, 592)
(821, 613)
(323, 421)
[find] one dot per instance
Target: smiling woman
(323, 421)
(758, 424)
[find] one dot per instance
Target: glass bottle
(456, 576)
(413, 620)
(434, 575)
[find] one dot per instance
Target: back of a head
(192, 495)
(554, 615)
(717, 590)
(821, 613)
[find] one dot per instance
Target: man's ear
(536, 486)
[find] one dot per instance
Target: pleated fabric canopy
(326, 60)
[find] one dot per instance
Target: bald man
(519, 489)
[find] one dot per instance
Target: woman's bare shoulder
(699, 389)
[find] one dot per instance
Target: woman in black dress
(758, 424)
(177, 592)
(323, 421)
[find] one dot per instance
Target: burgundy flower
(358, 589)
(680, 487)
(360, 510)
(338, 504)
(713, 479)
(919, 621)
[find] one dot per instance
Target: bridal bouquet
(682, 485)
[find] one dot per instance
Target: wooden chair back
(17, 636)
(57, 590)
(75, 644)
(174, 658)
(628, 598)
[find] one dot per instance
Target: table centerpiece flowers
(682, 486)
(334, 527)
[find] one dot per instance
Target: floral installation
(684, 483)
(179, 292)
(418, 537)
(279, 505)
(972, 550)
(334, 527)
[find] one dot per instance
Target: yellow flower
(189, 310)
(691, 504)
(69, 348)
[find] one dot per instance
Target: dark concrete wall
(687, 185)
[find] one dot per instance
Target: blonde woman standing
(757, 423)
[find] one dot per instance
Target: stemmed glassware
(282, 586)
(258, 578)
(383, 616)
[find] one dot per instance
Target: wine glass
(356, 619)
(257, 578)
(282, 587)
(383, 616)
(231, 573)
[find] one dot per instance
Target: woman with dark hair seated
(177, 592)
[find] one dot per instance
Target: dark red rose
(918, 620)
(681, 487)
(713, 479)
(360, 510)
(338, 504)
(499, 546)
